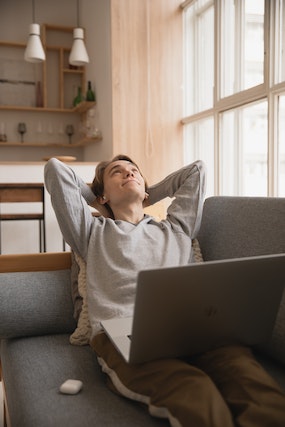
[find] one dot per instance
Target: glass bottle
(79, 97)
(90, 95)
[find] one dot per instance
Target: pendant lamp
(34, 51)
(78, 55)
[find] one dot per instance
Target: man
(221, 388)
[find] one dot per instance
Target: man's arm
(70, 197)
(187, 187)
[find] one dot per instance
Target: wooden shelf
(80, 108)
(81, 143)
(83, 106)
(73, 71)
(36, 109)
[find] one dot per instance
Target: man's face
(123, 182)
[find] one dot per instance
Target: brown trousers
(221, 388)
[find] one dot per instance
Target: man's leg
(171, 388)
(254, 398)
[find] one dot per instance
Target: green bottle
(90, 95)
(79, 97)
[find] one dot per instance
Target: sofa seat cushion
(35, 367)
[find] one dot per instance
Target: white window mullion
(217, 154)
(238, 47)
(238, 99)
(216, 94)
(271, 71)
(239, 146)
(269, 36)
(273, 166)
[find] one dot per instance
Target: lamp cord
(77, 13)
(34, 13)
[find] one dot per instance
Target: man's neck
(133, 213)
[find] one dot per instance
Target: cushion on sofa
(44, 305)
(82, 333)
(76, 297)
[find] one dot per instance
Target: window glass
(243, 135)
(199, 56)
(242, 45)
(199, 145)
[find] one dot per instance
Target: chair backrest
(21, 193)
(29, 195)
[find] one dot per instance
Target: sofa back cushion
(35, 303)
(234, 227)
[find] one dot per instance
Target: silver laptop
(182, 311)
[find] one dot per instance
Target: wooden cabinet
(45, 89)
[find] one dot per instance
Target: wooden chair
(24, 193)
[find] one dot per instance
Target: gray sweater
(116, 250)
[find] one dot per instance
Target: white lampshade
(78, 55)
(34, 51)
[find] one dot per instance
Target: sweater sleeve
(70, 197)
(187, 188)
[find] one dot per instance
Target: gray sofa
(37, 318)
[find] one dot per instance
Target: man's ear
(102, 200)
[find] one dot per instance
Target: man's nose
(129, 173)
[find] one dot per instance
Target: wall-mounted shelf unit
(48, 88)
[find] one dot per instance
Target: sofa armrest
(35, 303)
(45, 261)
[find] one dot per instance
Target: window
(234, 80)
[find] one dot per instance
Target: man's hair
(97, 185)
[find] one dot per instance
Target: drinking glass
(22, 129)
(69, 130)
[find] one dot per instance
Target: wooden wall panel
(147, 83)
